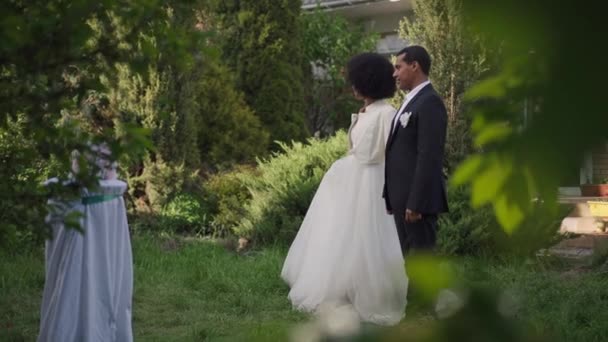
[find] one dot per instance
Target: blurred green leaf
(522, 112)
(509, 213)
(466, 170)
(492, 133)
(493, 87)
(429, 274)
(490, 181)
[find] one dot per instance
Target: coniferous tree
(198, 120)
(262, 46)
(459, 60)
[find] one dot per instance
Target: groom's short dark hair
(416, 53)
(372, 75)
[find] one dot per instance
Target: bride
(347, 249)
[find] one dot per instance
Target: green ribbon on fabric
(98, 199)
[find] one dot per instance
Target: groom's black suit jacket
(414, 157)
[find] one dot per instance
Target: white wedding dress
(347, 250)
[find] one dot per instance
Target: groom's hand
(412, 216)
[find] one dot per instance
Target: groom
(414, 185)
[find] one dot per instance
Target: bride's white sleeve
(370, 147)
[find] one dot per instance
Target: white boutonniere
(404, 118)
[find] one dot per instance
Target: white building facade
(380, 16)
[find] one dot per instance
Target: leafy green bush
(185, 213)
(159, 183)
(465, 230)
(22, 197)
(215, 208)
(538, 231)
(227, 195)
(282, 192)
(468, 231)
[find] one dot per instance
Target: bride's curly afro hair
(371, 75)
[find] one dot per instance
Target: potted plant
(598, 188)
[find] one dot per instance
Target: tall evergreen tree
(262, 46)
(198, 120)
(459, 60)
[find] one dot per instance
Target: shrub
(538, 231)
(285, 184)
(22, 198)
(159, 183)
(226, 196)
(465, 230)
(282, 192)
(474, 231)
(185, 213)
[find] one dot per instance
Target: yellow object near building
(598, 208)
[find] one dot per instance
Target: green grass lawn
(557, 299)
(192, 290)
